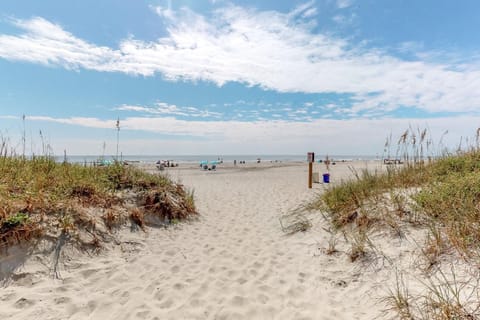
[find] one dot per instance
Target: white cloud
(79, 121)
(266, 48)
(134, 108)
(305, 10)
(47, 43)
(9, 117)
(341, 4)
(272, 136)
(310, 12)
(344, 20)
(339, 18)
(162, 108)
(167, 12)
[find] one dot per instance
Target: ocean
(188, 159)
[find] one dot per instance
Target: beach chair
(160, 164)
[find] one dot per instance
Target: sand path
(234, 262)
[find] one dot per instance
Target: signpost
(311, 159)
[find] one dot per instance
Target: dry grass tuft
(399, 299)
(172, 204)
(138, 218)
(17, 228)
(295, 221)
(443, 297)
(112, 218)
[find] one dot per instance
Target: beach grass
(440, 194)
(42, 197)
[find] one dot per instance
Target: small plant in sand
(15, 220)
(66, 224)
(137, 216)
(332, 245)
(442, 296)
(295, 221)
(358, 248)
(435, 246)
(399, 299)
(112, 219)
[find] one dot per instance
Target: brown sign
(311, 157)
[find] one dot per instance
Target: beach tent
(208, 165)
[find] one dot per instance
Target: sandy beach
(233, 262)
(155, 159)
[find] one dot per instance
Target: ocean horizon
(210, 157)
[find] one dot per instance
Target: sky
(236, 77)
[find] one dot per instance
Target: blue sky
(229, 77)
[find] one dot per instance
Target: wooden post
(310, 174)
(310, 159)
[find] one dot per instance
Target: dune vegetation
(438, 194)
(41, 198)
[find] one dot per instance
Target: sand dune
(234, 262)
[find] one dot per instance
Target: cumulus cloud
(273, 50)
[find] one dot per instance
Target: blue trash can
(326, 178)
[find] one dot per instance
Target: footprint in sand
(263, 299)
(88, 272)
(196, 302)
(8, 296)
(159, 295)
(149, 290)
(170, 253)
(166, 304)
(178, 286)
(296, 292)
(61, 300)
(124, 297)
(302, 277)
(239, 301)
(23, 303)
(211, 270)
(265, 288)
(92, 305)
(142, 314)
